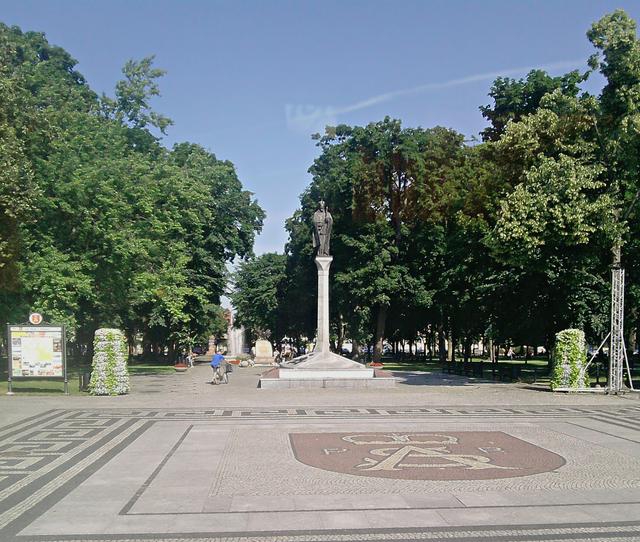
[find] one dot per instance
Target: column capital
(323, 262)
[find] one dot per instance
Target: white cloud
(309, 119)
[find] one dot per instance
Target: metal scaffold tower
(618, 359)
(617, 350)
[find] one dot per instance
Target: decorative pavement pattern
(467, 455)
(243, 474)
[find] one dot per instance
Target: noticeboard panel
(36, 352)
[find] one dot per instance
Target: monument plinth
(264, 353)
(322, 368)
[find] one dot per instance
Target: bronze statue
(322, 223)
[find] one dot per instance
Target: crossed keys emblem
(405, 455)
(427, 450)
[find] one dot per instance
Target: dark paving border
(125, 509)
(38, 419)
(25, 519)
(606, 530)
(382, 509)
(525, 532)
(596, 419)
(615, 412)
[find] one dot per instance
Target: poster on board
(36, 351)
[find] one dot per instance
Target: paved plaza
(439, 457)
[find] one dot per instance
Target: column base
(325, 370)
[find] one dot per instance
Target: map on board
(36, 351)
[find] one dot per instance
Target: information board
(37, 352)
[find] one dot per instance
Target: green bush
(109, 373)
(569, 360)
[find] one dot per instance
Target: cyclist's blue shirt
(217, 360)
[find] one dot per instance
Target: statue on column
(322, 223)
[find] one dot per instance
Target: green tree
(382, 184)
(298, 302)
(129, 234)
(618, 137)
(257, 295)
(574, 168)
(513, 99)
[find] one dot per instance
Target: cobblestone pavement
(438, 458)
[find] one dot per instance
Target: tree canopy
(257, 295)
(101, 224)
(509, 239)
(436, 236)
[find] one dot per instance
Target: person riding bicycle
(217, 364)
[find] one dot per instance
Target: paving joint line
(382, 509)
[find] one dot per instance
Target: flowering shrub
(109, 374)
(569, 360)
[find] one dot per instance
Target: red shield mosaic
(459, 455)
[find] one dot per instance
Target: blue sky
(251, 80)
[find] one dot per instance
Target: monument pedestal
(211, 348)
(322, 368)
(264, 353)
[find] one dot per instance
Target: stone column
(322, 342)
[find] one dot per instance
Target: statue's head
(322, 205)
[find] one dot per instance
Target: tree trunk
(380, 325)
(340, 340)
(442, 350)
(631, 334)
(432, 344)
(467, 349)
(355, 350)
(450, 347)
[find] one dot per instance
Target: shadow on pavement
(410, 378)
(419, 378)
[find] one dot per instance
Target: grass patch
(42, 386)
(391, 365)
(38, 386)
(150, 369)
(419, 365)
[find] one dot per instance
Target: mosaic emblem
(467, 455)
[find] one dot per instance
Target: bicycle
(220, 375)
